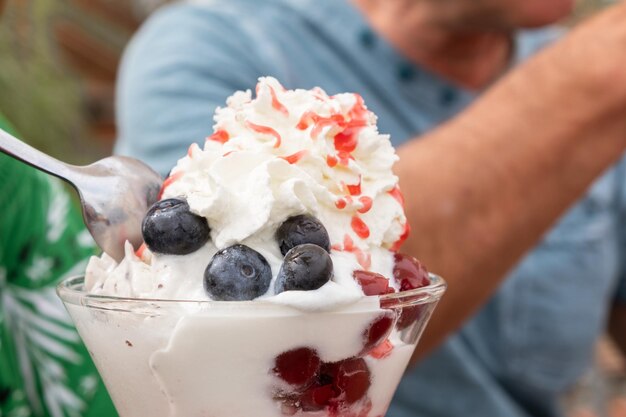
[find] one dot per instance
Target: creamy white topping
(283, 153)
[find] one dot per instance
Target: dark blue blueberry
(302, 229)
(306, 267)
(170, 228)
(237, 273)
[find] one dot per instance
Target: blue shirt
(536, 335)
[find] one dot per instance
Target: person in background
(510, 142)
(45, 370)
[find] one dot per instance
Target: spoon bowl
(115, 192)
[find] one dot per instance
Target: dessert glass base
(172, 358)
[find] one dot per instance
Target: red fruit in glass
(298, 366)
(353, 379)
(409, 272)
(377, 332)
(317, 397)
(372, 283)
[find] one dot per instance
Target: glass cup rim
(71, 291)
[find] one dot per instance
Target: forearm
(483, 189)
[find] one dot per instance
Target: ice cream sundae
(270, 282)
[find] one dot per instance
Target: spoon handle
(26, 153)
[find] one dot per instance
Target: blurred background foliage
(58, 60)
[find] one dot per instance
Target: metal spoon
(115, 192)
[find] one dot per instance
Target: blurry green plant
(36, 94)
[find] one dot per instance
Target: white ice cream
(280, 154)
(216, 361)
(284, 153)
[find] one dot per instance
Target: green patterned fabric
(45, 370)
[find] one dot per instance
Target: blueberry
(171, 228)
(306, 267)
(237, 273)
(302, 229)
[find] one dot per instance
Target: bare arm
(482, 189)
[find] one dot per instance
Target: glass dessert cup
(172, 358)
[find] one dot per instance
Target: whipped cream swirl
(283, 153)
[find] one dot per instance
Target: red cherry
(317, 397)
(353, 379)
(372, 283)
(409, 315)
(409, 272)
(377, 331)
(298, 366)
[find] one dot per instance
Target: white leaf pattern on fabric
(88, 385)
(39, 268)
(57, 211)
(45, 343)
(84, 239)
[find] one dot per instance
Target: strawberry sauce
(359, 227)
(220, 136)
(168, 181)
(266, 130)
(295, 157)
(277, 105)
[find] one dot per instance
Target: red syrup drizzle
(363, 258)
(367, 204)
(397, 195)
(295, 157)
(404, 236)
(139, 252)
(335, 120)
(266, 130)
(277, 105)
(341, 203)
(358, 111)
(346, 140)
(359, 227)
(220, 136)
(354, 189)
(306, 119)
(168, 181)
